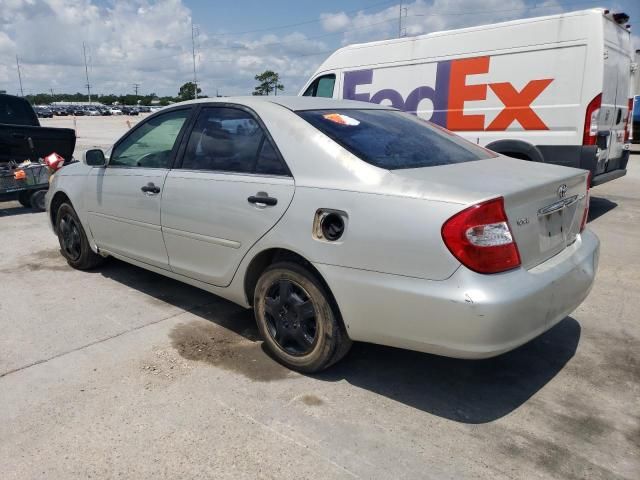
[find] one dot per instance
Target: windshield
(394, 140)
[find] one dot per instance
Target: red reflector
(585, 215)
(627, 127)
(480, 238)
(590, 134)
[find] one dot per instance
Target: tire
(25, 198)
(304, 332)
(38, 200)
(74, 244)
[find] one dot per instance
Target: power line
(306, 22)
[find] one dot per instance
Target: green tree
(269, 82)
(187, 91)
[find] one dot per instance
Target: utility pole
(135, 87)
(19, 76)
(53, 97)
(194, 33)
(400, 10)
(86, 71)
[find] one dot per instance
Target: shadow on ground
(10, 209)
(598, 206)
(460, 390)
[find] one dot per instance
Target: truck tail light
(590, 134)
(480, 238)
(627, 126)
(585, 215)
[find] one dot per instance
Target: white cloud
(332, 22)
(137, 41)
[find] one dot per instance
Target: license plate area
(556, 222)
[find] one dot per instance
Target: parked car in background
(92, 112)
(337, 221)
(552, 89)
(115, 111)
(43, 112)
(129, 111)
(144, 109)
(60, 111)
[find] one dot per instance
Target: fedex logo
(450, 93)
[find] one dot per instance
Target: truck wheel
(25, 198)
(74, 244)
(38, 200)
(296, 319)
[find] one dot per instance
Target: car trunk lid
(544, 204)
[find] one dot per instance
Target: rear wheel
(74, 244)
(38, 200)
(296, 319)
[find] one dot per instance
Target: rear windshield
(16, 111)
(393, 140)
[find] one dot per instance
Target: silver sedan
(336, 222)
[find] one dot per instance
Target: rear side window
(16, 111)
(321, 87)
(394, 140)
(231, 140)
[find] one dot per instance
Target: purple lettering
(389, 94)
(438, 94)
(352, 80)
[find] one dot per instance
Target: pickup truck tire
(25, 198)
(74, 244)
(38, 201)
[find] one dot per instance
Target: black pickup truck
(21, 139)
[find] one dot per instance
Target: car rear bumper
(469, 315)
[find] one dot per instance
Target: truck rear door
(616, 92)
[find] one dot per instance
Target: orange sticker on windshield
(341, 119)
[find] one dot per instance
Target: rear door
(616, 92)
(123, 199)
(231, 188)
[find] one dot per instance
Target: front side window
(150, 145)
(230, 140)
(393, 140)
(321, 87)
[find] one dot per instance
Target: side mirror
(95, 158)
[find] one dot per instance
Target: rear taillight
(480, 238)
(627, 127)
(590, 135)
(585, 215)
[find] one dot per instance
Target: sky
(149, 42)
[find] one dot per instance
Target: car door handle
(262, 200)
(150, 189)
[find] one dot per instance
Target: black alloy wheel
(298, 318)
(291, 317)
(70, 237)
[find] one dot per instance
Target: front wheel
(74, 244)
(296, 319)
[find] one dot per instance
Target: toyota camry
(336, 221)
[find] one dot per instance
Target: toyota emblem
(562, 190)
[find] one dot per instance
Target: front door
(124, 200)
(230, 189)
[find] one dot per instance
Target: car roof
(292, 103)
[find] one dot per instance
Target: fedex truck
(553, 89)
